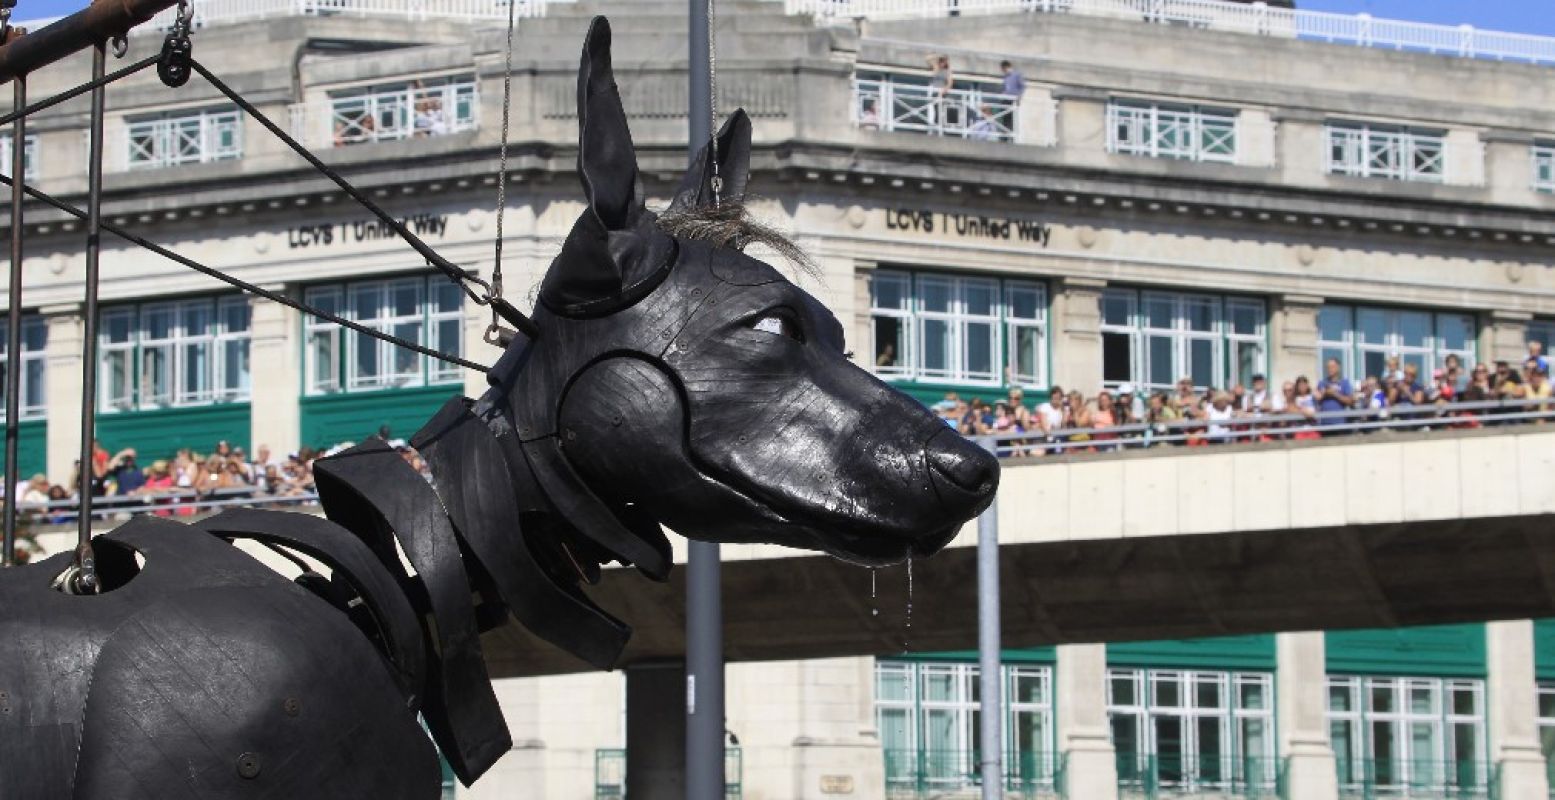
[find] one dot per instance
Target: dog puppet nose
(961, 471)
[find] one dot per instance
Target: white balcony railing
(886, 103)
(220, 12)
(1255, 18)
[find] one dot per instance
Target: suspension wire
(464, 278)
(71, 94)
(13, 328)
(502, 166)
(239, 283)
(717, 182)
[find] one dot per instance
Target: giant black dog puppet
(674, 380)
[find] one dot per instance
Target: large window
(1546, 719)
(1161, 131)
(1363, 338)
(1192, 731)
(184, 137)
(1393, 736)
(176, 353)
(1156, 338)
(430, 107)
(928, 714)
(1376, 151)
(35, 337)
(945, 329)
(29, 157)
(1542, 157)
(1543, 332)
(419, 309)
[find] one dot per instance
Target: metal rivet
(248, 765)
(665, 334)
(572, 435)
(696, 292)
(742, 438)
(616, 420)
(292, 706)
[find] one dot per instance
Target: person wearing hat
(1131, 406)
(37, 489)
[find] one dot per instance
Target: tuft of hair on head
(730, 224)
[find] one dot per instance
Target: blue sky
(1526, 16)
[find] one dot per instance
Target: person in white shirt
(1217, 413)
(1050, 414)
(1260, 400)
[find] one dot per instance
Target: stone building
(1172, 196)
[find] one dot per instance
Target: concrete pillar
(276, 367)
(1077, 355)
(1293, 344)
(1505, 335)
(862, 330)
(1512, 700)
(1255, 135)
(656, 731)
(1037, 118)
(1084, 735)
(1301, 715)
(1464, 160)
(62, 387)
(837, 749)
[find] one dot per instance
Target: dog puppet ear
(609, 260)
(734, 156)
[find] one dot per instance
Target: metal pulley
(173, 67)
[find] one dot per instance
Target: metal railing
(1413, 779)
(1361, 30)
(889, 103)
(1142, 775)
(222, 12)
(172, 503)
(1274, 427)
(922, 774)
(610, 773)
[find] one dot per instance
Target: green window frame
(1541, 159)
(428, 310)
(1153, 337)
(35, 338)
(1364, 337)
(972, 330)
(1396, 734)
(927, 714)
(1159, 130)
(1193, 730)
(174, 353)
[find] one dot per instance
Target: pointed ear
(607, 163)
(734, 156)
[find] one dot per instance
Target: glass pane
(1333, 323)
(157, 322)
(407, 362)
(407, 299)
(1246, 318)
(1382, 697)
(1159, 313)
(1339, 698)
(889, 291)
(1211, 750)
(1029, 688)
(325, 356)
(1385, 752)
(1253, 696)
(1159, 350)
(1455, 332)
(1414, 328)
(1115, 309)
(939, 684)
(1117, 357)
(368, 370)
(1201, 314)
(1374, 363)
(890, 343)
(934, 295)
(936, 346)
(1026, 353)
(35, 336)
(235, 366)
(1123, 691)
(1547, 704)
(234, 316)
(448, 336)
(979, 297)
(1201, 362)
(1422, 699)
(979, 351)
(156, 375)
(1025, 303)
(893, 684)
(1125, 739)
(366, 303)
(1374, 326)
(196, 378)
(1169, 748)
(446, 296)
(1465, 742)
(1207, 693)
(1247, 361)
(1168, 692)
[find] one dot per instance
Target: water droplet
(874, 610)
(907, 634)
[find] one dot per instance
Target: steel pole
(990, 667)
(92, 25)
(704, 578)
(94, 208)
(13, 326)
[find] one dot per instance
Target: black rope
(80, 90)
(245, 285)
(443, 265)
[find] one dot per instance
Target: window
(401, 111)
(1364, 338)
(928, 719)
(1375, 151)
(971, 109)
(419, 309)
(176, 353)
(184, 137)
(1408, 734)
(1154, 338)
(1542, 156)
(1192, 731)
(939, 328)
(1543, 332)
(1160, 131)
(1546, 719)
(29, 157)
(35, 336)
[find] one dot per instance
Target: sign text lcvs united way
(363, 230)
(969, 225)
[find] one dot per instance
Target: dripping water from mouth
(874, 609)
(907, 633)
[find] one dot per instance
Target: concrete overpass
(1381, 530)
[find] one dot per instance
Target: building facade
(1162, 201)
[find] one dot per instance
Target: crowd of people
(1299, 408)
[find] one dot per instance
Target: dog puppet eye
(778, 324)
